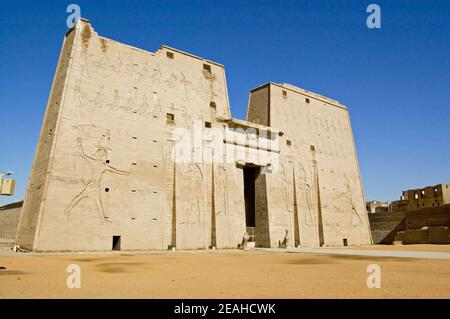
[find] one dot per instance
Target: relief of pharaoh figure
(94, 144)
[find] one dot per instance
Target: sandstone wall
(427, 225)
(109, 170)
(9, 219)
(105, 167)
(317, 196)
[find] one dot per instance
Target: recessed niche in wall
(170, 117)
(207, 67)
(169, 55)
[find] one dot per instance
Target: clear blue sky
(395, 80)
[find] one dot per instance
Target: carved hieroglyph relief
(306, 198)
(94, 147)
(192, 194)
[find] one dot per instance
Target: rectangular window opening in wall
(208, 124)
(284, 93)
(312, 147)
(212, 104)
(107, 189)
(116, 243)
(169, 55)
(207, 67)
(307, 100)
(288, 142)
(170, 117)
(107, 161)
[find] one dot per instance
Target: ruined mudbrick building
(429, 196)
(106, 176)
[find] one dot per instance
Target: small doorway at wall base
(116, 243)
(345, 242)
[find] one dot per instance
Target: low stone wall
(430, 235)
(428, 226)
(384, 226)
(9, 219)
(427, 217)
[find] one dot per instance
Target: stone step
(250, 245)
(6, 244)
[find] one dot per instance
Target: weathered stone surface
(386, 226)
(104, 164)
(9, 219)
(427, 235)
(429, 196)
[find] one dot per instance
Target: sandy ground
(222, 274)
